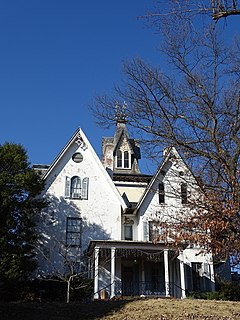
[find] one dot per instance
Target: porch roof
(137, 245)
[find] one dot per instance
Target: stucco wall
(100, 213)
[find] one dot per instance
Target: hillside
(157, 309)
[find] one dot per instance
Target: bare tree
(194, 105)
(217, 9)
(71, 270)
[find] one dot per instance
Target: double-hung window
(73, 232)
(119, 159)
(161, 192)
(126, 159)
(184, 193)
(123, 159)
(128, 232)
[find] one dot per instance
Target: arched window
(119, 159)
(75, 187)
(161, 192)
(126, 159)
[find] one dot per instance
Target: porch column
(112, 287)
(212, 277)
(182, 277)
(90, 274)
(96, 272)
(166, 269)
(142, 277)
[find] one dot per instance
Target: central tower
(120, 154)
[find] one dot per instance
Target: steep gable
(168, 192)
(120, 154)
(78, 157)
(84, 203)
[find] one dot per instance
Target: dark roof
(132, 177)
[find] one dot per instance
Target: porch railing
(146, 288)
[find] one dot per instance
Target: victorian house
(109, 212)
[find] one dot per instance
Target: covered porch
(128, 268)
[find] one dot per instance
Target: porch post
(166, 269)
(96, 272)
(142, 277)
(182, 277)
(212, 277)
(112, 287)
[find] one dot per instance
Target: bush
(48, 290)
(12, 290)
(198, 295)
(225, 291)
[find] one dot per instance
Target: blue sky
(55, 55)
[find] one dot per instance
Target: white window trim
(83, 191)
(123, 158)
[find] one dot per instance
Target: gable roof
(80, 138)
(119, 135)
(167, 153)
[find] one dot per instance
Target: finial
(120, 112)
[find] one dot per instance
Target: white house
(110, 211)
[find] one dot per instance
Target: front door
(130, 285)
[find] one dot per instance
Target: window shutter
(145, 231)
(67, 187)
(85, 188)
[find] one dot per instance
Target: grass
(147, 309)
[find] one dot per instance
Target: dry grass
(156, 309)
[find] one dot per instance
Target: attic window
(77, 157)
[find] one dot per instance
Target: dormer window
(123, 159)
(119, 159)
(126, 159)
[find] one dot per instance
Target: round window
(77, 157)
